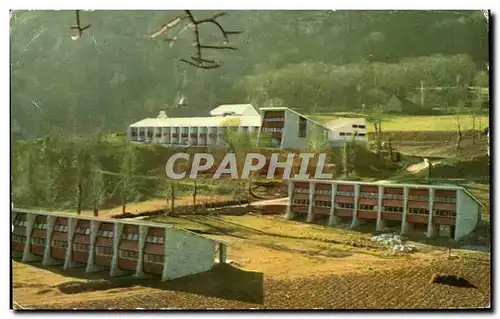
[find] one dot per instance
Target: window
(20, 222)
(81, 247)
(361, 126)
(153, 258)
(419, 211)
(40, 225)
(302, 190)
(323, 192)
(322, 203)
(361, 134)
(19, 238)
(129, 254)
(367, 207)
(38, 241)
(354, 126)
(155, 239)
(445, 213)
(342, 134)
(59, 243)
(392, 209)
(61, 228)
(301, 202)
(393, 196)
(105, 233)
(344, 205)
(368, 195)
(344, 193)
(104, 251)
(302, 127)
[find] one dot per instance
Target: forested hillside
(316, 61)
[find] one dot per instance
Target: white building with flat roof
(196, 131)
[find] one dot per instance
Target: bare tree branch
(78, 26)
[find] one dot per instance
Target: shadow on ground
(223, 281)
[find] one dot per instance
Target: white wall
(186, 254)
(468, 214)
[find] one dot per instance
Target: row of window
(302, 202)
(130, 236)
(440, 199)
(19, 238)
(20, 222)
(155, 239)
(274, 119)
(82, 231)
(418, 198)
(344, 193)
(445, 213)
(392, 209)
(105, 233)
(418, 211)
(81, 247)
(394, 196)
(358, 126)
(302, 190)
(40, 226)
(349, 134)
(60, 244)
(367, 207)
(153, 258)
(104, 251)
(368, 195)
(272, 129)
(344, 205)
(129, 254)
(323, 203)
(323, 192)
(38, 241)
(61, 228)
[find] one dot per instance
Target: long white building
(285, 127)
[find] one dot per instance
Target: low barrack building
(437, 210)
(121, 246)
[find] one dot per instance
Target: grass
(414, 122)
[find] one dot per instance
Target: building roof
(237, 109)
(199, 121)
(282, 108)
(111, 220)
(389, 184)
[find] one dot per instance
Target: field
(274, 264)
(417, 123)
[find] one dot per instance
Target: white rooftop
(199, 121)
(235, 109)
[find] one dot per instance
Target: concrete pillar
(334, 220)
(355, 221)
(190, 129)
(431, 229)
(164, 275)
(310, 214)
(282, 144)
(289, 214)
(117, 234)
(68, 263)
(155, 139)
(222, 253)
(27, 255)
(129, 133)
(47, 258)
(199, 135)
(143, 234)
(94, 229)
(404, 222)
(380, 221)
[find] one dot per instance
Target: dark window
(342, 134)
(361, 126)
(361, 134)
(355, 126)
(302, 127)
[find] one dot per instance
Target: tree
(82, 169)
(127, 183)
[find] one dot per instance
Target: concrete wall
(186, 254)
(468, 215)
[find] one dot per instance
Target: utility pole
(422, 94)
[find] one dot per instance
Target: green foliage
(114, 75)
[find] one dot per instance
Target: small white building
(346, 129)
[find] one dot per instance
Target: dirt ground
(273, 264)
